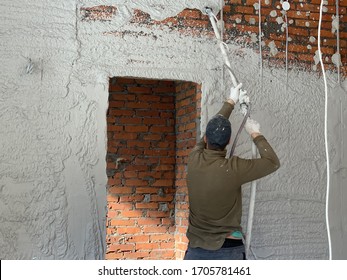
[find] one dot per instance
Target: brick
(126, 81)
(132, 120)
(119, 206)
(147, 113)
(137, 143)
(147, 246)
(149, 174)
(148, 221)
(138, 105)
(149, 229)
(132, 213)
(148, 190)
(167, 115)
(128, 230)
(167, 198)
(163, 183)
(156, 153)
(150, 205)
(116, 87)
(148, 98)
(121, 97)
(194, 14)
(245, 10)
(132, 198)
(118, 112)
(125, 136)
(298, 31)
(157, 214)
(139, 238)
(168, 21)
(113, 256)
(306, 23)
(167, 245)
(135, 182)
(136, 128)
(139, 89)
(152, 137)
(118, 222)
(163, 106)
(136, 255)
(167, 99)
(121, 247)
(161, 129)
(120, 190)
(196, 23)
(157, 121)
(293, 14)
(127, 151)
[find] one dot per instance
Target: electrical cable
(338, 41)
(287, 35)
(325, 127)
(260, 49)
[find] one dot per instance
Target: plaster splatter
(312, 39)
(273, 13)
(273, 48)
(334, 24)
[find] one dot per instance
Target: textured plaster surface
(53, 101)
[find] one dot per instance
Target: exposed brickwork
(241, 26)
(141, 169)
(98, 13)
(188, 100)
(151, 127)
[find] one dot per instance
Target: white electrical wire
(325, 127)
(222, 35)
(287, 35)
(338, 41)
(260, 50)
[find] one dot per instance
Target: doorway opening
(151, 127)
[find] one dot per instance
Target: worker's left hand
(235, 93)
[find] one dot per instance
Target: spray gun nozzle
(244, 107)
(207, 11)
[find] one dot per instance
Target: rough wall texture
(56, 59)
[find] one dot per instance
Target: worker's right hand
(252, 126)
(235, 93)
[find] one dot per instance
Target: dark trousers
(231, 250)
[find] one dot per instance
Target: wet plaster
(53, 101)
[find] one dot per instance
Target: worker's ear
(205, 139)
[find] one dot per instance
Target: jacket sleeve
(252, 169)
(226, 110)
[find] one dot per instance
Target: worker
(214, 186)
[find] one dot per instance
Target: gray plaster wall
(55, 69)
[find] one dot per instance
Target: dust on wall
(54, 91)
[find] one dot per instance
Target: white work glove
(252, 126)
(235, 93)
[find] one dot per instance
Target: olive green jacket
(214, 187)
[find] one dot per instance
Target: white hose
(325, 128)
(221, 45)
(251, 208)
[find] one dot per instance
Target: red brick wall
(241, 19)
(151, 127)
(188, 101)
